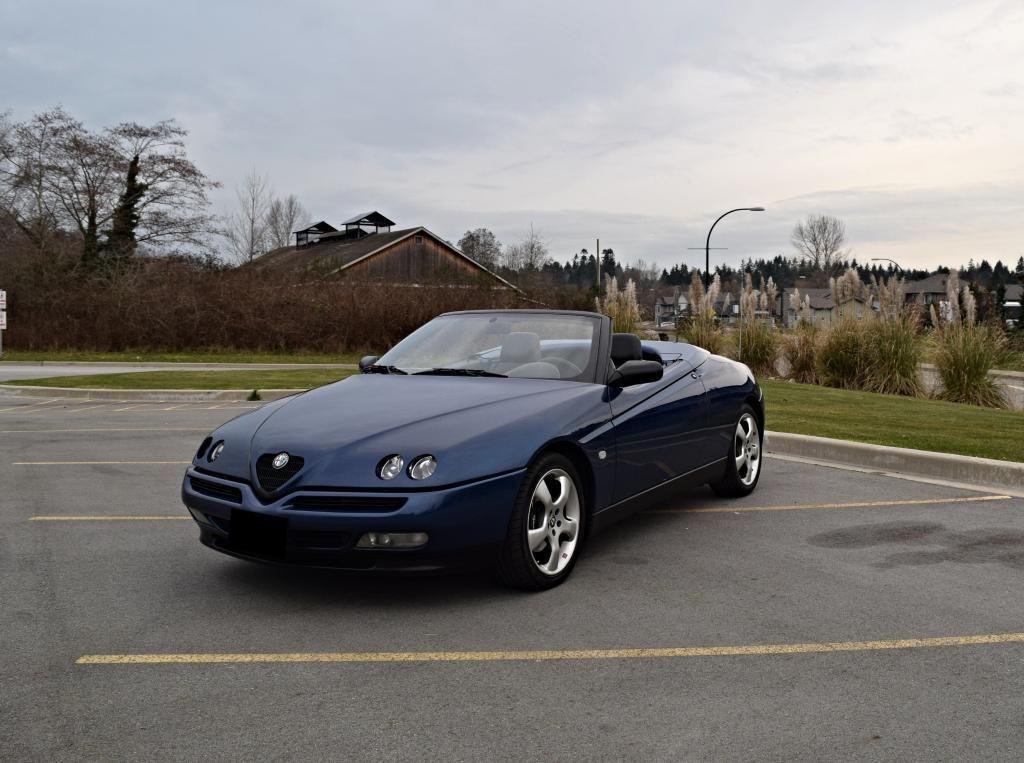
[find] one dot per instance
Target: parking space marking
(29, 408)
(107, 518)
(552, 654)
(97, 463)
(826, 506)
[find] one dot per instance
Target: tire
(743, 463)
(545, 532)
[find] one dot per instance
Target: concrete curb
(145, 395)
(985, 472)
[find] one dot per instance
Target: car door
(660, 431)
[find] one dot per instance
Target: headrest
(626, 347)
(520, 347)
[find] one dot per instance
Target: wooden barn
(367, 249)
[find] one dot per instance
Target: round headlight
(422, 467)
(390, 467)
(215, 452)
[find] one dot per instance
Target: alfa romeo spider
(498, 437)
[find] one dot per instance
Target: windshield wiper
(375, 369)
(458, 372)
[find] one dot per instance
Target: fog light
(390, 467)
(392, 540)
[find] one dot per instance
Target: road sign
(3, 300)
(3, 320)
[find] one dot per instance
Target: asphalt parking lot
(830, 614)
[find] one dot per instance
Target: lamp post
(707, 244)
(886, 259)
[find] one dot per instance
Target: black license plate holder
(258, 534)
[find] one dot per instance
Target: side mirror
(366, 361)
(634, 372)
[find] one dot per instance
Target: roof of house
(1014, 292)
(320, 227)
(821, 299)
(933, 284)
(333, 255)
(370, 218)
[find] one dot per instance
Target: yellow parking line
(554, 654)
(106, 518)
(852, 505)
(94, 463)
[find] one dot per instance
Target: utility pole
(597, 265)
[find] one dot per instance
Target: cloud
(639, 127)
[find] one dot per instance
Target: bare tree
(481, 246)
(55, 174)
(246, 232)
(529, 254)
(283, 217)
(27, 177)
(175, 208)
(819, 240)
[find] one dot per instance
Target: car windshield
(517, 344)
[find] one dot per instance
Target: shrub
(965, 354)
(757, 344)
(892, 351)
(966, 351)
(893, 344)
(621, 305)
(800, 349)
(840, 361)
(759, 348)
(702, 327)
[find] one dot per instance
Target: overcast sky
(636, 122)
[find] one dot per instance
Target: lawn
(246, 380)
(197, 356)
(891, 420)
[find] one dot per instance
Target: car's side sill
(612, 514)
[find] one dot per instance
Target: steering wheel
(566, 368)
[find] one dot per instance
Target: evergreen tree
(120, 244)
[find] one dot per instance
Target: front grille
(345, 503)
(216, 490)
(271, 479)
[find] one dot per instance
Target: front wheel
(743, 464)
(546, 527)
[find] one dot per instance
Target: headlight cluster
(420, 468)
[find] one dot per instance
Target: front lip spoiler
(413, 562)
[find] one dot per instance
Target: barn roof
(370, 218)
(333, 255)
(320, 227)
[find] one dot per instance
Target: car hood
(475, 427)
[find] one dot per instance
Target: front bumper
(464, 523)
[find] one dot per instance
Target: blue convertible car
(504, 437)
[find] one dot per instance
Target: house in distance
(367, 249)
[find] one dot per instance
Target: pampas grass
(702, 327)
(965, 351)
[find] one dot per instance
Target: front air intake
(271, 479)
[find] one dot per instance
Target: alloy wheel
(553, 529)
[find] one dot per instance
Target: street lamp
(707, 244)
(886, 259)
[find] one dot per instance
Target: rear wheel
(545, 531)
(743, 464)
